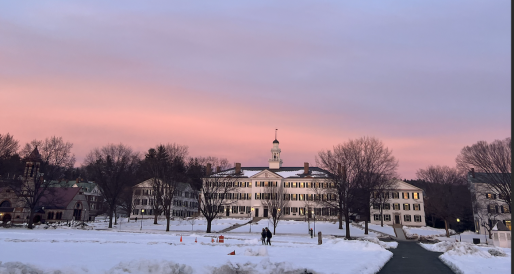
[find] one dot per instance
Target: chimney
(208, 169)
(305, 168)
(472, 172)
(238, 168)
(218, 169)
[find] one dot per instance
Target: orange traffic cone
(196, 240)
(232, 253)
(180, 238)
(212, 240)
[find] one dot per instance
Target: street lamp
(458, 225)
(251, 220)
(314, 217)
(142, 217)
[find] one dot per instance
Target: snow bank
(415, 232)
(466, 258)
(375, 240)
(256, 252)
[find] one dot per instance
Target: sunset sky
(425, 77)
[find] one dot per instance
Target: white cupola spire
(275, 162)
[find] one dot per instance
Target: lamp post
(458, 226)
(142, 217)
(43, 208)
(251, 211)
(84, 216)
(314, 217)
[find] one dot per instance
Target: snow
(302, 228)
(292, 173)
(386, 229)
(467, 258)
(425, 231)
(80, 251)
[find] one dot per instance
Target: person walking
(263, 236)
(268, 236)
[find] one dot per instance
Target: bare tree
(381, 194)
(126, 202)
(191, 221)
(376, 167)
(275, 199)
(155, 165)
(357, 169)
(54, 150)
(217, 190)
(8, 145)
(174, 174)
(494, 160)
(442, 198)
(113, 168)
(36, 183)
(338, 190)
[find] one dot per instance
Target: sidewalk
(410, 257)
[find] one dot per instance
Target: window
(376, 206)
(376, 217)
(492, 208)
(417, 218)
(405, 195)
(406, 218)
(386, 206)
(137, 192)
(50, 215)
(302, 196)
(234, 209)
(415, 195)
(257, 196)
(505, 209)
(395, 195)
(490, 196)
(287, 210)
(396, 206)
(387, 217)
(242, 209)
(302, 185)
(406, 206)
(294, 210)
(416, 207)
(144, 202)
(136, 202)
(248, 209)
(302, 211)
(294, 197)
(58, 215)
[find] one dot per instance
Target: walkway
(400, 235)
(410, 257)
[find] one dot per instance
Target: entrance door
(256, 212)
(396, 219)
(228, 211)
(265, 213)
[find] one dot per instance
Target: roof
(482, 177)
(148, 183)
(275, 141)
(285, 172)
(34, 156)
(58, 198)
(499, 226)
(87, 186)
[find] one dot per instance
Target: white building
(185, 201)
(405, 206)
(300, 185)
(487, 207)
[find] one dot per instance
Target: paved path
(399, 234)
(410, 257)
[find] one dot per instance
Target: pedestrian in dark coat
(268, 236)
(263, 236)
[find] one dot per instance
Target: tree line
(362, 172)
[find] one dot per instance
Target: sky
(425, 77)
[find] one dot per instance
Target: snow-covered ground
(467, 258)
(72, 250)
(440, 234)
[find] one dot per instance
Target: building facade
(405, 207)
(185, 201)
(300, 187)
(488, 208)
